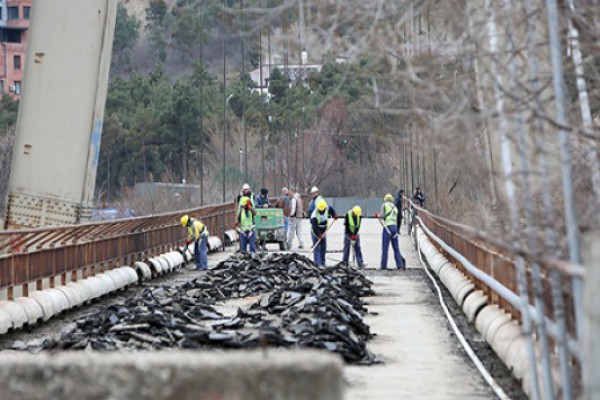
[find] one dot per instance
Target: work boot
(363, 265)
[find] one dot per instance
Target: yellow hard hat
(184, 220)
(388, 197)
(357, 211)
(321, 205)
(245, 201)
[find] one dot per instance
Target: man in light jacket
(296, 213)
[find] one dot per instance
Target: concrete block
(438, 269)
(82, 290)
(5, 322)
(32, 308)
(95, 286)
(447, 273)
(72, 296)
(143, 270)
(503, 338)
(495, 326)
(156, 267)
(46, 301)
(177, 258)
(485, 317)
(167, 262)
(516, 357)
(170, 375)
(214, 243)
(61, 301)
(16, 313)
(129, 274)
(109, 284)
(118, 279)
(464, 292)
(473, 303)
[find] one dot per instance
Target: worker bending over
(351, 236)
(197, 232)
(319, 221)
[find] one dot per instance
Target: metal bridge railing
(30, 256)
(548, 285)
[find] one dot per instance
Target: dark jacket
(320, 229)
(419, 198)
(261, 202)
(399, 203)
(347, 225)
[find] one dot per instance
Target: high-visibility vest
(390, 214)
(246, 220)
(194, 231)
(321, 218)
(353, 224)
(249, 198)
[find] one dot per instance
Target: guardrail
(547, 285)
(68, 253)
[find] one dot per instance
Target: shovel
(322, 236)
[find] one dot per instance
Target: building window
(2, 86)
(10, 35)
(17, 87)
(13, 13)
(17, 62)
(26, 11)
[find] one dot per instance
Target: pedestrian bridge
(471, 317)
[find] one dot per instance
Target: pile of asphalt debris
(295, 304)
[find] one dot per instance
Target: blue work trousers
(201, 252)
(391, 236)
(320, 250)
(357, 251)
(247, 238)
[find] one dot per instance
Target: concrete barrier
(504, 338)
(85, 294)
(5, 322)
(165, 263)
(156, 267)
(463, 293)
(72, 296)
(32, 308)
(170, 375)
(473, 303)
(109, 284)
(16, 313)
(143, 270)
(47, 303)
(214, 243)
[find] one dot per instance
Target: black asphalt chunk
(297, 305)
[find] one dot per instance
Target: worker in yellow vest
(245, 221)
(198, 233)
(389, 219)
(351, 236)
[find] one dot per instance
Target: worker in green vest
(351, 235)
(245, 221)
(389, 219)
(198, 233)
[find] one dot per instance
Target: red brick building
(14, 32)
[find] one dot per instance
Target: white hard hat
(314, 190)
(245, 186)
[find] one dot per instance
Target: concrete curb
(181, 375)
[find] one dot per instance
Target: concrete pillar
(591, 339)
(59, 125)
